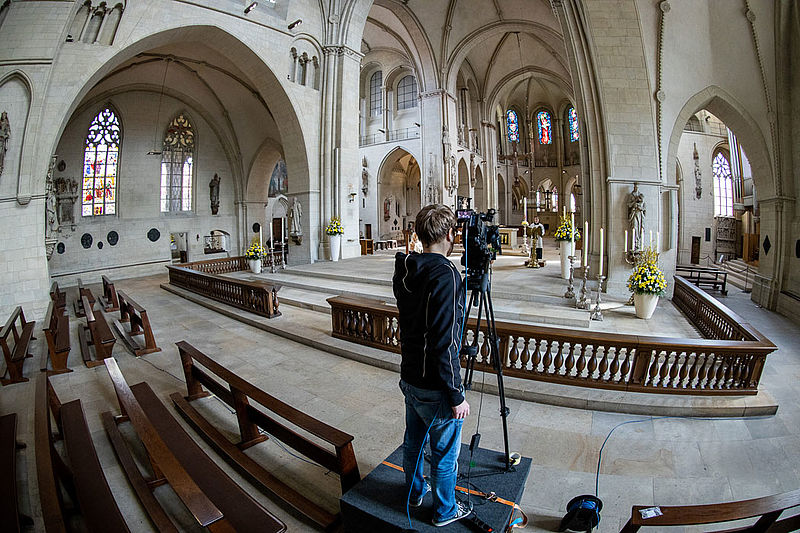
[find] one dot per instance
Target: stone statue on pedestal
(296, 221)
(213, 186)
(5, 135)
(636, 213)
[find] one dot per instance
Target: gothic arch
(19, 130)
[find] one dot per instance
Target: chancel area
(201, 206)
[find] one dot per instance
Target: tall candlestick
(600, 270)
(626, 241)
(585, 242)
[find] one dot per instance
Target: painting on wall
(279, 182)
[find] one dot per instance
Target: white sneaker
(462, 510)
(425, 490)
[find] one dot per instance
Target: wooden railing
(586, 358)
(219, 266)
(254, 296)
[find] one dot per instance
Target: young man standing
(430, 298)
(537, 229)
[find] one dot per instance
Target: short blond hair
(433, 223)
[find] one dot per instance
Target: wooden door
(695, 250)
(367, 231)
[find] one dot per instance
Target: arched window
(554, 204)
(572, 203)
(545, 125)
(512, 125)
(101, 164)
(375, 94)
(723, 185)
(407, 93)
(539, 198)
(572, 118)
(177, 162)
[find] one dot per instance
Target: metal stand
(584, 300)
(525, 248)
(272, 258)
(570, 289)
(481, 298)
(632, 257)
(597, 314)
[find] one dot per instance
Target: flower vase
(645, 305)
(336, 245)
(255, 265)
(566, 251)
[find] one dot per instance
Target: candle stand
(597, 313)
(570, 289)
(584, 300)
(632, 257)
(525, 248)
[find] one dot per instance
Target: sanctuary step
(308, 290)
(740, 274)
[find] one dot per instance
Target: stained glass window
(554, 204)
(100, 165)
(723, 186)
(375, 94)
(407, 93)
(512, 125)
(177, 159)
(545, 124)
(572, 116)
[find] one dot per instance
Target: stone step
(304, 292)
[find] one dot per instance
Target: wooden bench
(768, 509)
(97, 334)
(59, 297)
(80, 310)
(214, 499)
(21, 336)
(109, 299)
(9, 502)
(136, 316)
(80, 475)
(700, 276)
(56, 332)
(237, 393)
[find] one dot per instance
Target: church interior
(202, 201)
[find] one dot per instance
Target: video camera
(481, 245)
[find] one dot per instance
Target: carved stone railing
(590, 359)
(254, 296)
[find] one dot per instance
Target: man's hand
(461, 410)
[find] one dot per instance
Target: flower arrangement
(524, 223)
(564, 230)
(335, 227)
(255, 252)
(646, 277)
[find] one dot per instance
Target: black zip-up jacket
(430, 297)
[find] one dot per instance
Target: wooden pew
(213, 498)
(80, 310)
(237, 393)
(21, 336)
(109, 299)
(59, 297)
(80, 476)
(13, 520)
(700, 276)
(136, 316)
(96, 333)
(56, 332)
(768, 509)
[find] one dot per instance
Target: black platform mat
(378, 502)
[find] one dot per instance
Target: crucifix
(515, 158)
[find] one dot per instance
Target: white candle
(260, 238)
(600, 270)
(572, 226)
(585, 242)
(658, 241)
(525, 207)
(564, 211)
(626, 241)
(651, 238)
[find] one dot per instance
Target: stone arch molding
(16, 95)
(733, 114)
(262, 76)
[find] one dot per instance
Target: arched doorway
(502, 201)
(399, 197)
(480, 191)
(464, 190)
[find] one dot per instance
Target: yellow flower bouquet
(646, 277)
(335, 227)
(564, 231)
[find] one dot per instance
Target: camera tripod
(481, 297)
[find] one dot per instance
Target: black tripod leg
(498, 367)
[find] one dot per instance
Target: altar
(508, 239)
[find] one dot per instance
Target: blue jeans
(431, 408)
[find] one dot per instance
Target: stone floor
(653, 461)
